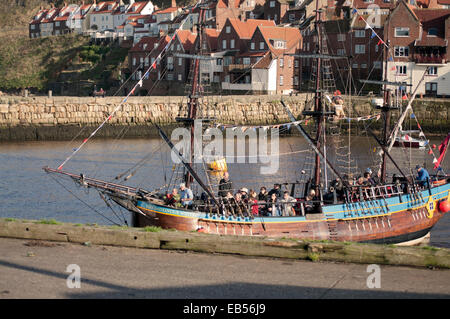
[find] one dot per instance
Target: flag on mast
(442, 150)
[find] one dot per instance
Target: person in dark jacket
(276, 190)
(225, 185)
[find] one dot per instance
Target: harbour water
(27, 192)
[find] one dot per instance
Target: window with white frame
(341, 37)
(281, 80)
(180, 61)
(261, 45)
(400, 69)
(377, 65)
(227, 29)
(295, 80)
(281, 62)
(432, 70)
(355, 65)
(360, 49)
(432, 32)
(180, 77)
(232, 44)
(401, 51)
(360, 33)
(224, 44)
(134, 61)
(252, 46)
(402, 32)
(272, 4)
(246, 61)
(340, 51)
(296, 63)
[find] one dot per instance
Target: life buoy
(431, 207)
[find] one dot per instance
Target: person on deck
(273, 205)
(422, 175)
(173, 199)
(288, 204)
(186, 195)
(253, 202)
(276, 190)
(225, 185)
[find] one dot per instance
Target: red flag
(154, 65)
(407, 137)
(404, 97)
(442, 150)
(379, 42)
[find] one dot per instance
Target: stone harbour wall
(59, 118)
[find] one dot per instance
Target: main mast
(194, 95)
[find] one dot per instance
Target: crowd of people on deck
(276, 202)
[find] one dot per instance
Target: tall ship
(327, 205)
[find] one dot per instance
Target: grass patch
(48, 222)
(10, 219)
(152, 229)
(313, 257)
(430, 248)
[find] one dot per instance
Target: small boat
(406, 140)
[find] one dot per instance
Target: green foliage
(152, 229)
(48, 222)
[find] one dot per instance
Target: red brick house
(178, 67)
(266, 66)
(276, 10)
(419, 38)
(140, 57)
(236, 33)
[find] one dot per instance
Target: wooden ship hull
(390, 220)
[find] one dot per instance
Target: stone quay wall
(60, 118)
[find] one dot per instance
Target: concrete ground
(37, 269)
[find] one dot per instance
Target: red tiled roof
(211, 36)
(291, 36)
(245, 29)
(137, 7)
(447, 2)
(187, 39)
(103, 7)
(41, 14)
(224, 3)
(432, 19)
(50, 15)
(168, 10)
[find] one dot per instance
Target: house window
(363, 66)
(227, 60)
(57, 24)
(295, 80)
(32, 27)
(355, 65)
(134, 61)
(432, 70)
(246, 61)
(281, 62)
(180, 61)
(232, 44)
(178, 47)
(272, 4)
(169, 76)
(401, 51)
(401, 32)
(261, 45)
(219, 61)
(360, 33)
(227, 79)
(291, 17)
(280, 45)
(296, 63)
(228, 29)
(401, 69)
(180, 77)
(252, 45)
(377, 65)
(281, 80)
(432, 32)
(341, 37)
(146, 61)
(360, 49)
(224, 44)
(340, 51)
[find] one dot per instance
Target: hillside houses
(252, 43)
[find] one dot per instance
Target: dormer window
(432, 32)
(109, 7)
(278, 44)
